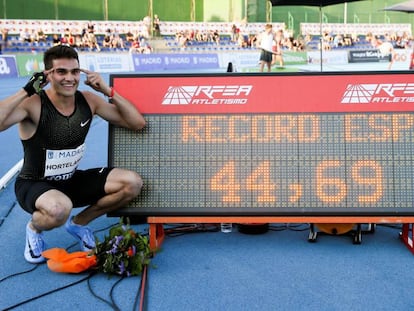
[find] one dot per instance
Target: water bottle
(226, 227)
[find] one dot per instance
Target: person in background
(385, 48)
(4, 39)
(265, 43)
(157, 26)
(277, 47)
(53, 124)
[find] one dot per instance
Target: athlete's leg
(269, 66)
(262, 63)
(52, 209)
(121, 187)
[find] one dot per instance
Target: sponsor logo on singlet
(61, 164)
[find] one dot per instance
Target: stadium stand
(191, 36)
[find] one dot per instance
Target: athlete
(53, 124)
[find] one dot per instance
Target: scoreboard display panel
(309, 144)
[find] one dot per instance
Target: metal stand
(407, 236)
(355, 233)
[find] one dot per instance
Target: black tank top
(57, 146)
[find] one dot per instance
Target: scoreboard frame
(252, 139)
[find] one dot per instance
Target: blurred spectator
(90, 27)
(157, 29)
(145, 46)
(215, 37)
(402, 41)
(56, 39)
(135, 47)
(4, 43)
(234, 33)
(385, 48)
(147, 25)
(277, 47)
(338, 41)
(327, 41)
(117, 42)
(79, 41)
(90, 42)
(129, 36)
(41, 36)
(107, 39)
(182, 38)
(25, 35)
(251, 40)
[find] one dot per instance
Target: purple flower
(121, 268)
(118, 239)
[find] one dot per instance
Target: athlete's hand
(35, 83)
(95, 81)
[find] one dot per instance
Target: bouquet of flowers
(124, 252)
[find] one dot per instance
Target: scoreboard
(308, 144)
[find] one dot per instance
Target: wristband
(112, 93)
(35, 83)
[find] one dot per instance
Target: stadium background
(368, 11)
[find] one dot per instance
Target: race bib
(61, 164)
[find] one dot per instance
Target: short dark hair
(57, 52)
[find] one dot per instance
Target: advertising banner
(106, 62)
(365, 56)
(328, 57)
(158, 62)
(302, 93)
(27, 64)
(250, 58)
(8, 68)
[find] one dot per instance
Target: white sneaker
(35, 245)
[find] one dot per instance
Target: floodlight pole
(105, 10)
(4, 9)
(151, 15)
(321, 35)
(56, 9)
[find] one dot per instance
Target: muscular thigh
(87, 186)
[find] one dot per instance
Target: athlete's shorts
(85, 187)
(266, 56)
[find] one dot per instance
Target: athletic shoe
(82, 233)
(35, 245)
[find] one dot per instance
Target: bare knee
(126, 183)
(133, 185)
(51, 212)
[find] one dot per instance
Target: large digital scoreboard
(328, 144)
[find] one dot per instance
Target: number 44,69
(366, 174)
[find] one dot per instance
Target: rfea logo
(207, 95)
(378, 93)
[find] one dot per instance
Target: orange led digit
(225, 181)
(374, 180)
(329, 189)
(260, 182)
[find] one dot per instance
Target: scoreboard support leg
(157, 234)
(407, 229)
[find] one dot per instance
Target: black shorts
(85, 187)
(266, 56)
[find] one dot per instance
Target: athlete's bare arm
(121, 112)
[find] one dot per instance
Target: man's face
(65, 76)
